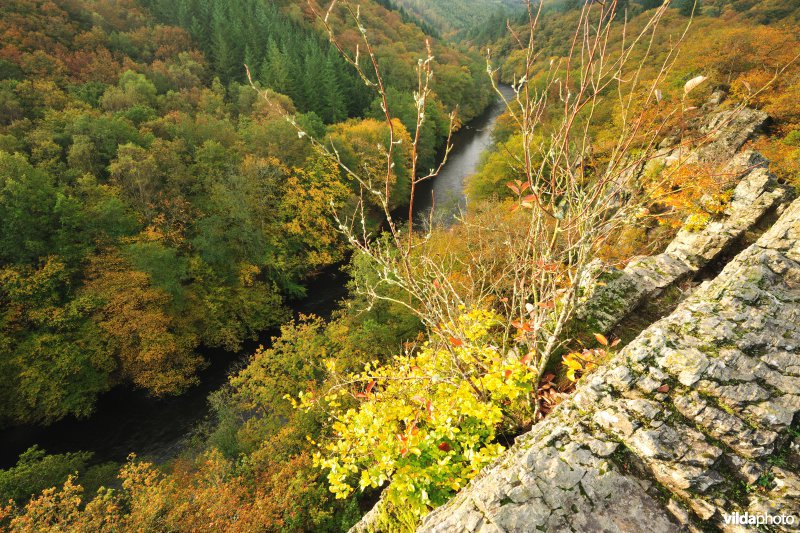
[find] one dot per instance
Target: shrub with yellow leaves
(578, 364)
(427, 421)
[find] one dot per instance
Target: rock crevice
(757, 196)
(696, 418)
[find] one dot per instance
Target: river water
(445, 193)
(129, 421)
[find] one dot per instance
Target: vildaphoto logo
(747, 519)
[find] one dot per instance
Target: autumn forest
(182, 180)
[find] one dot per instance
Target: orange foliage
(132, 314)
(61, 510)
(204, 496)
(47, 43)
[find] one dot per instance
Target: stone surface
(756, 196)
(730, 130)
(620, 456)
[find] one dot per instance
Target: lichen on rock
(621, 456)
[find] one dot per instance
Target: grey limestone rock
(619, 456)
(756, 195)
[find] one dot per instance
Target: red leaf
(601, 339)
(370, 386)
(513, 187)
(508, 374)
(444, 447)
(663, 388)
(456, 342)
(547, 267)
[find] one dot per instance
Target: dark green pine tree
(623, 9)
(687, 7)
(200, 12)
(334, 106)
(222, 56)
(651, 4)
(313, 65)
(275, 69)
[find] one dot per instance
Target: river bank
(445, 194)
(129, 421)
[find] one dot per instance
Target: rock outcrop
(697, 418)
(726, 133)
(756, 197)
(730, 130)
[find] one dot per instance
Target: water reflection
(445, 193)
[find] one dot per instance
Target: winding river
(446, 192)
(127, 420)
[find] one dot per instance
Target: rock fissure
(730, 353)
(693, 256)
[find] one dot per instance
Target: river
(129, 421)
(446, 192)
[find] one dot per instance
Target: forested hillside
(282, 52)
(746, 49)
(154, 203)
(459, 15)
(149, 198)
